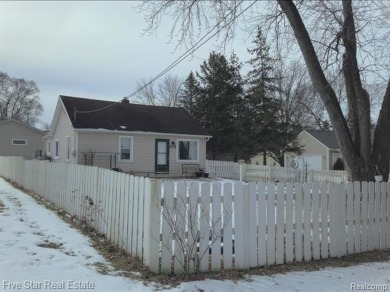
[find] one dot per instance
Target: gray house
(136, 138)
(320, 151)
(20, 139)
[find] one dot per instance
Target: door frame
(157, 167)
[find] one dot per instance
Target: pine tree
(262, 105)
(189, 94)
(219, 100)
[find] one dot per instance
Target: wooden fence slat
(316, 221)
(350, 218)
(152, 225)
(262, 224)
(167, 228)
(357, 216)
(216, 228)
(324, 221)
(280, 222)
(298, 222)
(252, 196)
(377, 212)
(227, 226)
(204, 232)
(384, 216)
(364, 245)
(371, 208)
(289, 223)
(135, 213)
(240, 226)
(140, 224)
(193, 224)
(307, 228)
(271, 228)
(179, 263)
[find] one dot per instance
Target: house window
(19, 142)
(188, 150)
(126, 148)
(48, 147)
(57, 149)
(67, 147)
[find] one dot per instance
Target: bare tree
(19, 100)
(331, 35)
(167, 92)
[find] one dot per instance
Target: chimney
(125, 100)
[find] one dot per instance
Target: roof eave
(87, 130)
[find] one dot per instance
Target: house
(320, 151)
(259, 160)
(141, 139)
(20, 139)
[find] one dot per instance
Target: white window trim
(48, 147)
(25, 140)
(55, 148)
(178, 153)
(131, 148)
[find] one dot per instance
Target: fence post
(151, 230)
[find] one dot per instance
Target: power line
(194, 47)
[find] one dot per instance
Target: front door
(162, 155)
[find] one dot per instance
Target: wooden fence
(264, 173)
(113, 203)
(191, 225)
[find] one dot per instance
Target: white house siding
(312, 147)
(63, 128)
(10, 130)
(104, 144)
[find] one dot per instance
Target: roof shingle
(121, 116)
(328, 138)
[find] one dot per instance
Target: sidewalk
(40, 252)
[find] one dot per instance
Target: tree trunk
(356, 166)
(358, 98)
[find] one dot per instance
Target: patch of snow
(38, 250)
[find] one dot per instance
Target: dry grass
(2, 206)
(131, 267)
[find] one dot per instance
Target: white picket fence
(264, 173)
(113, 203)
(190, 225)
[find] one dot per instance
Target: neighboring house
(20, 139)
(320, 151)
(136, 138)
(258, 160)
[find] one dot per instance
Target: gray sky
(89, 49)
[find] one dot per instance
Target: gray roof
(124, 116)
(328, 138)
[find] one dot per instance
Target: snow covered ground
(38, 251)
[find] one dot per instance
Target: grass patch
(2, 206)
(50, 244)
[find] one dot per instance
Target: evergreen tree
(189, 94)
(219, 101)
(262, 104)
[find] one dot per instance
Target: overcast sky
(91, 49)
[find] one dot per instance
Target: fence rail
(263, 173)
(188, 226)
